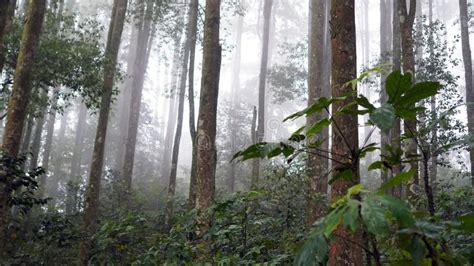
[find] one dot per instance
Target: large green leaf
(383, 117)
(396, 84)
(399, 210)
(318, 127)
(418, 92)
(397, 180)
(467, 223)
(314, 250)
(374, 217)
(351, 216)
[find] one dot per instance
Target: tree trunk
(385, 46)
(48, 144)
(194, 8)
(141, 64)
(172, 115)
(91, 209)
(407, 19)
(75, 171)
(235, 97)
(126, 95)
(317, 166)
(206, 130)
(468, 77)
(7, 12)
(17, 107)
(267, 11)
(253, 138)
(396, 60)
(25, 143)
(345, 127)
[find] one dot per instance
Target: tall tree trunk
(396, 60)
(234, 95)
(407, 19)
(126, 95)
(7, 12)
(91, 209)
(179, 125)
(345, 137)
(468, 77)
(194, 8)
(317, 166)
(49, 142)
(75, 171)
(17, 107)
(267, 12)
(206, 130)
(385, 47)
(58, 156)
(141, 64)
(25, 143)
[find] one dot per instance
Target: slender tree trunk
(75, 171)
(385, 46)
(468, 77)
(141, 64)
(235, 97)
(206, 130)
(253, 138)
(25, 143)
(345, 137)
(194, 8)
(48, 144)
(7, 12)
(267, 12)
(17, 107)
(317, 166)
(91, 210)
(407, 19)
(126, 95)
(396, 58)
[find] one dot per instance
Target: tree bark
(267, 12)
(468, 77)
(17, 107)
(345, 127)
(25, 143)
(206, 130)
(407, 19)
(385, 46)
(141, 64)
(91, 209)
(75, 171)
(235, 97)
(194, 8)
(7, 12)
(49, 142)
(317, 166)
(396, 60)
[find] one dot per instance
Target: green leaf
(351, 216)
(374, 217)
(344, 174)
(417, 250)
(364, 102)
(376, 165)
(384, 117)
(467, 223)
(396, 84)
(318, 127)
(397, 180)
(334, 219)
(399, 210)
(314, 250)
(419, 91)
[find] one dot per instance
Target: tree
(193, 17)
(7, 11)
(179, 125)
(17, 107)
(145, 39)
(468, 77)
(91, 209)
(206, 130)
(317, 165)
(267, 12)
(345, 126)
(407, 19)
